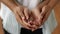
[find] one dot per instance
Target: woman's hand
(21, 14)
(36, 18)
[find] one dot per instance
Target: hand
(21, 13)
(43, 15)
(36, 18)
(46, 10)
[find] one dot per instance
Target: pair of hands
(33, 19)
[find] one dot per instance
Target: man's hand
(46, 10)
(37, 14)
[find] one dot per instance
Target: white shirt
(11, 25)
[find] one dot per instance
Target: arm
(45, 2)
(52, 3)
(1, 28)
(10, 3)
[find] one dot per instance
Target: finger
(26, 13)
(35, 28)
(22, 22)
(27, 25)
(39, 22)
(35, 22)
(44, 10)
(46, 16)
(18, 18)
(20, 12)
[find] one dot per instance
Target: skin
(1, 27)
(0, 4)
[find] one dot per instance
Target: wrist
(52, 3)
(43, 3)
(51, 6)
(12, 7)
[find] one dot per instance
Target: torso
(29, 3)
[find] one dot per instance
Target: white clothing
(11, 25)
